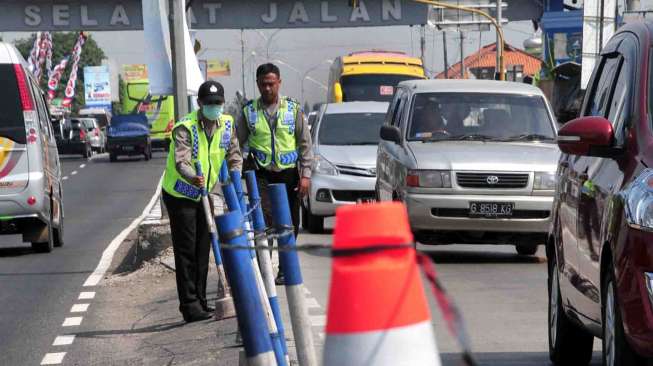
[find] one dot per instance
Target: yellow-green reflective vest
(278, 149)
(210, 155)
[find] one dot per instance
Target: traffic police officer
(206, 136)
(279, 143)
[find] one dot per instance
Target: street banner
(33, 59)
(134, 72)
(217, 68)
(72, 80)
(155, 31)
(44, 48)
(97, 86)
(48, 54)
(55, 77)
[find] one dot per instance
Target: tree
(63, 43)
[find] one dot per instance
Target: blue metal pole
(250, 312)
(277, 341)
(224, 304)
(258, 220)
(301, 324)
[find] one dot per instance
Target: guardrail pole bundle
(265, 258)
(250, 312)
(224, 305)
(277, 341)
(301, 325)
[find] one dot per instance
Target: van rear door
(16, 104)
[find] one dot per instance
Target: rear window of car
(12, 124)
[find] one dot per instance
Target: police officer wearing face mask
(207, 136)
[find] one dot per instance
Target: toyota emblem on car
(492, 180)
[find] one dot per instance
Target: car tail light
(412, 180)
(31, 200)
(82, 134)
(23, 89)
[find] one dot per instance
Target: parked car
(72, 137)
(95, 134)
(599, 250)
(31, 198)
(474, 161)
(345, 139)
(129, 135)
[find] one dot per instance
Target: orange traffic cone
(378, 313)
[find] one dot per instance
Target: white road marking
(53, 358)
(72, 321)
(86, 295)
(64, 340)
(318, 320)
(82, 166)
(64, 178)
(107, 255)
(73, 172)
(311, 302)
(79, 308)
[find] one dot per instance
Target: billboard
(97, 86)
(217, 68)
(134, 72)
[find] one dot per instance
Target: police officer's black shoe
(202, 315)
(208, 309)
(281, 279)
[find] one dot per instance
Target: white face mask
(212, 111)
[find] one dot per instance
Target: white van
(31, 201)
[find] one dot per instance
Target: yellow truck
(159, 109)
(371, 75)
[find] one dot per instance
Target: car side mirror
(587, 136)
(337, 93)
(391, 133)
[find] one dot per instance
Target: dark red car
(600, 249)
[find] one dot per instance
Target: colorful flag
(48, 54)
(33, 59)
(72, 80)
(55, 77)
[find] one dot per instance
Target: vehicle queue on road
(474, 162)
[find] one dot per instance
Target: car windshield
(377, 87)
(479, 116)
(350, 128)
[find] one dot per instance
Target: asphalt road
(38, 290)
(502, 296)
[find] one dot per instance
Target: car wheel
(314, 224)
(616, 350)
(46, 246)
(58, 237)
(568, 343)
(113, 157)
(526, 249)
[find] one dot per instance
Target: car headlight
(323, 166)
(545, 181)
(639, 201)
(429, 178)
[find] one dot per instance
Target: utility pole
(446, 60)
(177, 12)
(422, 44)
(462, 54)
(242, 59)
(499, 19)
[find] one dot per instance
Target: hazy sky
(304, 49)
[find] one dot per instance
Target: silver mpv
(474, 161)
(30, 177)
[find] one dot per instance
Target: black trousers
(191, 246)
(290, 177)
